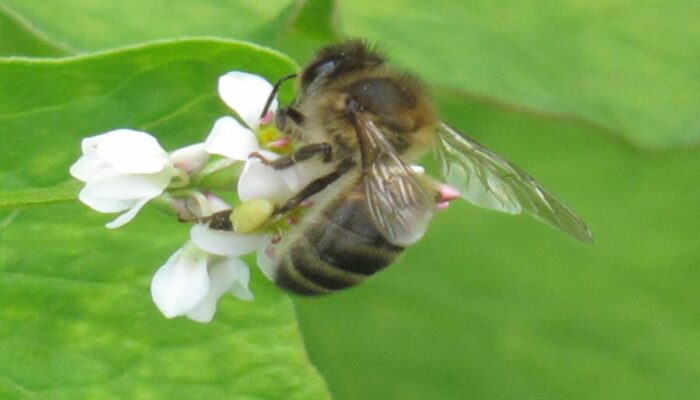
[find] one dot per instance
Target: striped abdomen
(339, 249)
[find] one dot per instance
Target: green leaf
(19, 38)
(627, 65)
(302, 29)
(492, 306)
(77, 318)
(60, 193)
(100, 24)
(78, 321)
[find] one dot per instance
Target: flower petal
(127, 216)
(301, 174)
(130, 186)
(216, 203)
(182, 282)
(84, 169)
(89, 168)
(190, 158)
(224, 275)
(260, 181)
(231, 139)
(104, 205)
(225, 243)
(246, 94)
(265, 263)
(203, 205)
(128, 150)
(240, 289)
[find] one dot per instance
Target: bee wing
(487, 180)
(398, 203)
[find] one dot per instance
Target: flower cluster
(124, 169)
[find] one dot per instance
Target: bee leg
(314, 187)
(301, 154)
(220, 221)
(310, 150)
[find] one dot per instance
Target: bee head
(334, 61)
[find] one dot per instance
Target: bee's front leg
(301, 154)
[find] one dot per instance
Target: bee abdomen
(302, 271)
(339, 251)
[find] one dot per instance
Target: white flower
(122, 170)
(231, 140)
(246, 94)
(204, 269)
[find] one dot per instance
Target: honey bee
(369, 121)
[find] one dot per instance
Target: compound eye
(321, 68)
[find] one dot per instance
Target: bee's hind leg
(315, 186)
(301, 154)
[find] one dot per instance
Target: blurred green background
(597, 99)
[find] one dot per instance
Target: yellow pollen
(251, 215)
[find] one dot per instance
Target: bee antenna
(273, 93)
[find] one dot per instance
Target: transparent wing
(487, 180)
(397, 201)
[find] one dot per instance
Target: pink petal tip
(267, 118)
(442, 206)
(447, 193)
